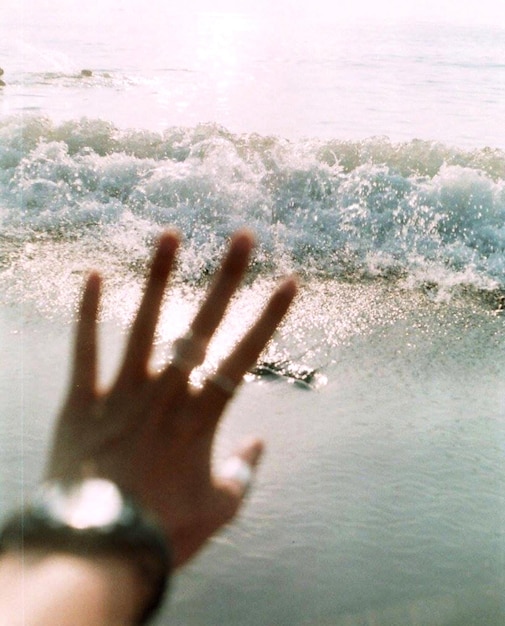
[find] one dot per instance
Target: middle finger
(189, 351)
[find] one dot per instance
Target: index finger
(214, 394)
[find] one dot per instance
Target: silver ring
(238, 470)
(224, 383)
(188, 351)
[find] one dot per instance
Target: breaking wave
(420, 211)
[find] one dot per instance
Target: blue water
(421, 212)
(370, 160)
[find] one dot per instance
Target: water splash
(423, 212)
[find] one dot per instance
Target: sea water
(381, 497)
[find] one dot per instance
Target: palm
(153, 433)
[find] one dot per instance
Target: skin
(152, 433)
(36, 586)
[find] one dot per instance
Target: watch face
(93, 517)
(92, 503)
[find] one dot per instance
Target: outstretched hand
(152, 433)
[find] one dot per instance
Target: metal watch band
(135, 535)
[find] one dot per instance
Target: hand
(151, 433)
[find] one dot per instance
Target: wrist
(99, 590)
(96, 526)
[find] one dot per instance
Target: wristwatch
(93, 517)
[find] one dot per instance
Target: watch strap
(136, 535)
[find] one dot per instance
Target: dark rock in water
(493, 300)
(2, 84)
(500, 309)
(293, 372)
(86, 73)
(1, 72)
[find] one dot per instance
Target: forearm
(38, 588)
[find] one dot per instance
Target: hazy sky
(473, 11)
(466, 10)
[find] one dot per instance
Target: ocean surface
(369, 158)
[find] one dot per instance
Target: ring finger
(189, 350)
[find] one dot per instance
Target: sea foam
(420, 211)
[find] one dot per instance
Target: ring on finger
(188, 351)
(223, 383)
(237, 470)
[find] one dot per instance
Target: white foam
(420, 210)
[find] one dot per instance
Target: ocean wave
(422, 211)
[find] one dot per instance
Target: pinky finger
(85, 351)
